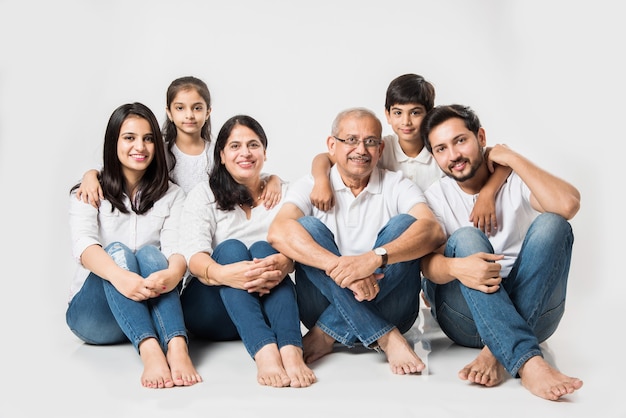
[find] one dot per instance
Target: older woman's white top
(203, 226)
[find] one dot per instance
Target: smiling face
(356, 162)
(135, 146)
(405, 120)
(189, 111)
(243, 155)
(457, 150)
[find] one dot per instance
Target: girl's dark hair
(169, 128)
(155, 181)
(410, 88)
(440, 114)
(228, 193)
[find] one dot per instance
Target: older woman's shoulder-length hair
(228, 193)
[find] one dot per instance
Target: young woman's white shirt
(159, 226)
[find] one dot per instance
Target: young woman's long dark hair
(228, 193)
(169, 128)
(155, 181)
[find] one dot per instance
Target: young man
(357, 266)
(504, 293)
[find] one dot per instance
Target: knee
(262, 249)
(467, 240)
(552, 223)
(310, 223)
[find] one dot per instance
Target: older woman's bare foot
(270, 370)
(316, 344)
(401, 357)
(156, 372)
(299, 373)
(544, 381)
(182, 369)
(485, 370)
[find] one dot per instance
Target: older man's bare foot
(401, 357)
(182, 369)
(485, 370)
(270, 370)
(545, 381)
(299, 373)
(156, 372)
(316, 344)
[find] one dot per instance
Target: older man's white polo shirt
(356, 220)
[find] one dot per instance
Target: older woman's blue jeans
(99, 314)
(335, 310)
(222, 313)
(527, 308)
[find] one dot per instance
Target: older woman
(239, 286)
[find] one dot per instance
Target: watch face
(380, 251)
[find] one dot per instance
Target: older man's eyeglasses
(354, 142)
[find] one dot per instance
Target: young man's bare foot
(316, 344)
(484, 370)
(156, 372)
(182, 369)
(544, 381)
(299, 373)
(270, 370)
(401, 357)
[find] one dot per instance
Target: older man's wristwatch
(383, 253)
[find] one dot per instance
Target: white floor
(70, 379)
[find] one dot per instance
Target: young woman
(239, 286)
(125, 287)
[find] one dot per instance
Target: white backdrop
(545, 77)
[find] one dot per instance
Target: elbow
(272, 237)
(571, 209)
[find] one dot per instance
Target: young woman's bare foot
(544, 381)
(270, 370)
(182, 369)
(299, 373)
(316, 344)
(156, 372)
(484, 370)
(401, 357)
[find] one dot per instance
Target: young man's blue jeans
(527, 308)
(222, 313)
(100, 314)
(335, 310)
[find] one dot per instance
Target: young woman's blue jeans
(222, 313)
(100, 314)
(527, 308)
(335, 310)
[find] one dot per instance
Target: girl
(239, 286)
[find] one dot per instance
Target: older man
(357, 265)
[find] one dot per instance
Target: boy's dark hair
(410, 88)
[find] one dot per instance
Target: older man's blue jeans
(336, 311)
(527, 308)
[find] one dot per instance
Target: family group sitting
(178, 236)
